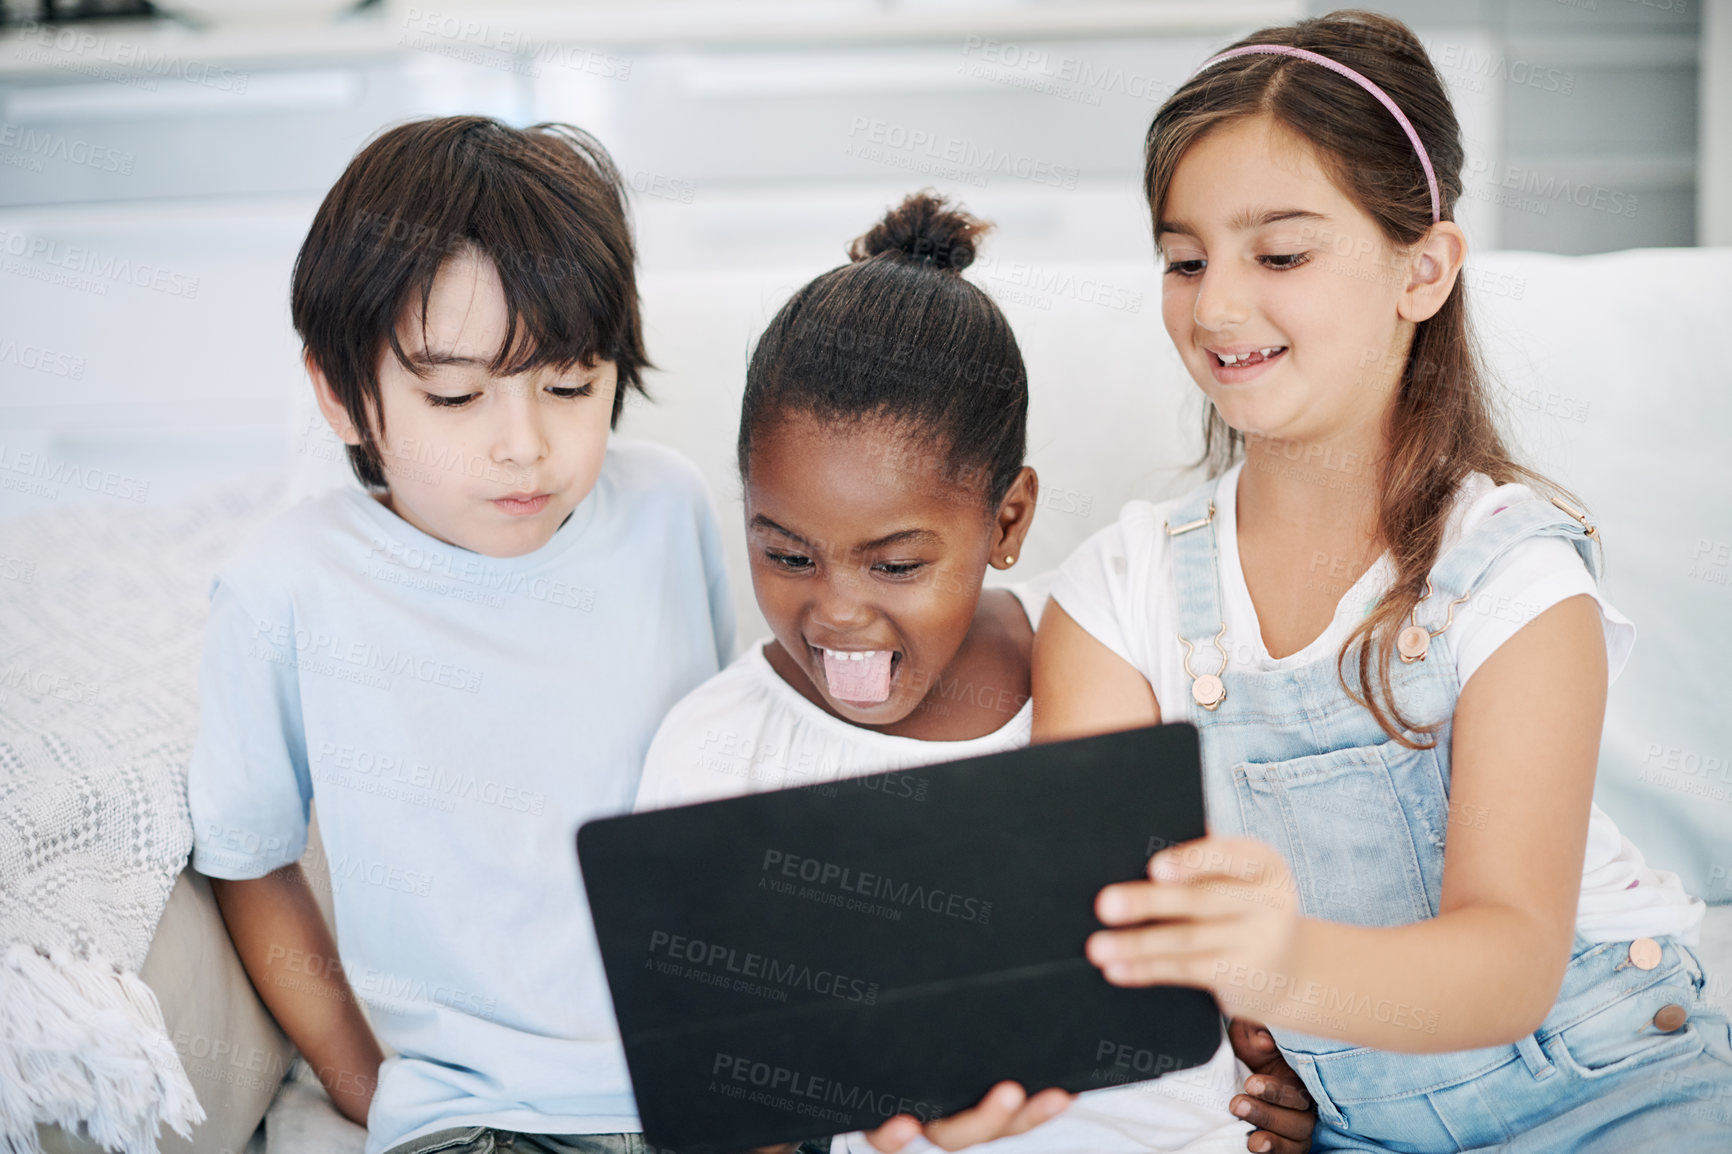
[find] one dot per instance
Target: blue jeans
(484, 1140)
(1603, 1081)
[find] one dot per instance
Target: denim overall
(1290, 759)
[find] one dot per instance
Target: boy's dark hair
(898, 335)
(545, 204)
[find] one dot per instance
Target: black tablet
(817, 960)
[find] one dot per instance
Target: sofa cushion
(233, 1053)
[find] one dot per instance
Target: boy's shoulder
(645, 469)
(294, 543)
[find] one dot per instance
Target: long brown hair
(1440, 427)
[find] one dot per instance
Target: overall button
(1412, 642)
(1644, 953)
(1208, 691)
(1670, 1018)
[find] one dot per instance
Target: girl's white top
(1119, 586)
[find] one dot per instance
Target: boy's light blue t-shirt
(456, 717)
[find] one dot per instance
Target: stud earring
(1010, 560)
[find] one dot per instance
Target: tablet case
(817, 960)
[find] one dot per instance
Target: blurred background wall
(157, 173)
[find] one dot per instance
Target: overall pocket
(1620, 1020)
(1361, 828)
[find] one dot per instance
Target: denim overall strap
(1461, 570)
(1197, 571)
(1196, 555)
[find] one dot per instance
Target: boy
(464, 662)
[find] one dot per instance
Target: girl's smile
(1235, 365)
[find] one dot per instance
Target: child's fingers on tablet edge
(894, 1134)
(1125, 902)
(1181, 940)
(992, 1119)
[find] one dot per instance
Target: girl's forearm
(1481, 976)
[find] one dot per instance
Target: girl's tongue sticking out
(860, 676)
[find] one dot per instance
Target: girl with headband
(1392, 638)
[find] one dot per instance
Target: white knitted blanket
(102, 611)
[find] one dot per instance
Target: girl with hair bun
(881, 445)
(1405, 877)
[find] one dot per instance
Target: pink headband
(1337, 67)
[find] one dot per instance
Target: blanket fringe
(82, 1042)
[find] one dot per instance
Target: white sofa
(1612, 382)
